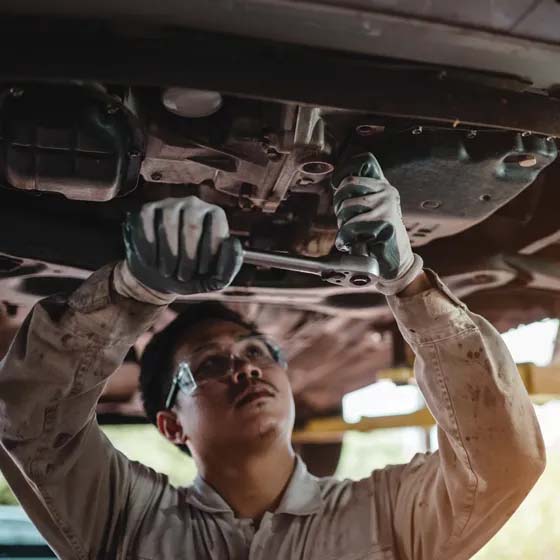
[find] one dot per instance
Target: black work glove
(369, 216)
(178, 246)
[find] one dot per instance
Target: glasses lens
(213, 367)
(254, 350)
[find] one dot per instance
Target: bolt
(360, 280)
(430, 204)
(16, 91)
(245, 203)
(156, 176)
(133, 154)
(471, 134)
(525, 134)
(550, 138)
(416, 131)
(273, 155)
(112, 109)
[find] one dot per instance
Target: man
(215, 385)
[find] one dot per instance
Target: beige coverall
(90, 501)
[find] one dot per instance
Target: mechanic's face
(248, 403)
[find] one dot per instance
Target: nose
(244, 371)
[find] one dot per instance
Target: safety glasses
(217, 364)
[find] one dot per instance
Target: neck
(251, 483)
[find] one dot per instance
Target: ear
(169, 426)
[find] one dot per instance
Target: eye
(213, 366)
(254, 351)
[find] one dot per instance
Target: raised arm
(83, 495)
(444, 505)
(450, 503)
(70, 480)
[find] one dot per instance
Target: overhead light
(191, 103)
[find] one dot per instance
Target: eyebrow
(204, 347)
(212, 345)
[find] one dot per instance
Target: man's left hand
(369, 215)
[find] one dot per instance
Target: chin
(263, 428)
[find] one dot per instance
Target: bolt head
(430, 204)
(156, 176)
(245, 203)
(16, 91)
(273, 155)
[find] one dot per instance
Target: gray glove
(177, 246)
(369, 216)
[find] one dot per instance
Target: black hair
(156, 365)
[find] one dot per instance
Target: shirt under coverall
(89, 501)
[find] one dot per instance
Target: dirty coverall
(89, 501)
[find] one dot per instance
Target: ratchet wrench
(343, 270)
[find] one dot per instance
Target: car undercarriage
(98, 118)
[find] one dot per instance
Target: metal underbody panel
(518, 38)
(458, 102)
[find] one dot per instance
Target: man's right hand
(178, 246)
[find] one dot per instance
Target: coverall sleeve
(70, 480)
(448, 504)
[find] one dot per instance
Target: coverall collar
(302, 495)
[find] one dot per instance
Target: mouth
(252, 394)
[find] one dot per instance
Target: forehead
(209, 332)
